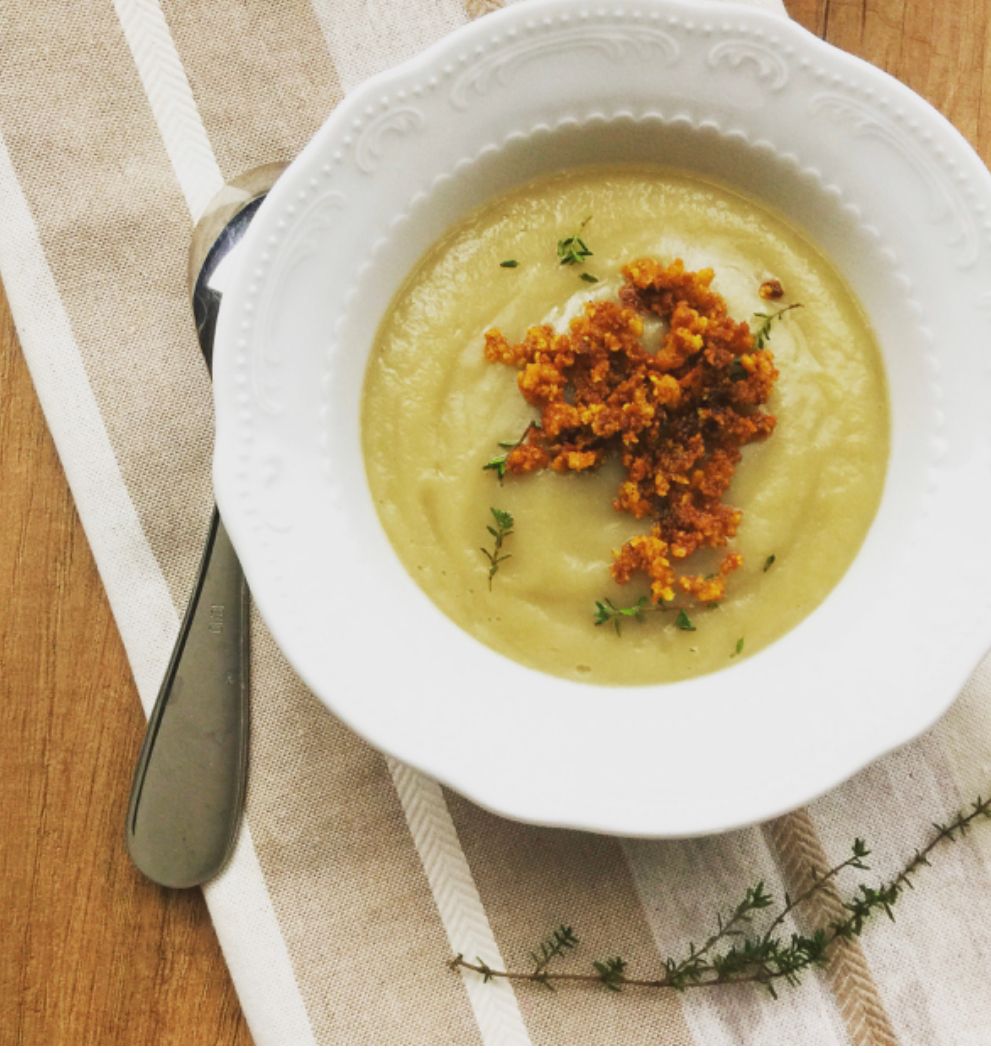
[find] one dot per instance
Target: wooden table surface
(91, 952)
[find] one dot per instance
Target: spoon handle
(185, 805)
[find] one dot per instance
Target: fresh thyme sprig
(611, 972)
(498, 464)
(606, 611)
(751, 955)
(572, 249)
(691, 968)
(763, 333)
(560, 941)
(503, 528)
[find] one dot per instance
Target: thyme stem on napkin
(746, 946)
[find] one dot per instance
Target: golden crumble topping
(677, 418)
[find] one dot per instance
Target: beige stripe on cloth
(367, 36)
(532, 880)
(260, 73)
(115, 229)
(351, 897)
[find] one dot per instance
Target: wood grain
(92, 953)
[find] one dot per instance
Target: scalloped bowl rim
(497, 788)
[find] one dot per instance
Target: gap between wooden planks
(92, 953)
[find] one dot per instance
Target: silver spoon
(186, 801)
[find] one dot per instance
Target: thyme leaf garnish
(744, 947)
(611, 972)
(572, 249)
(510, 263)
(586, 277)
(769, 562)
(498, 464)
(607, 612)
(763, 333)
(560, 941)
(503, 529)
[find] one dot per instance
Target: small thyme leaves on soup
(763, 332)
(497, 464)
(572, 249)
(607, 612)
(509, 264)
(502, 530)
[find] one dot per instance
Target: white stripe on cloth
(462, 913)
(255, 952)
(461, 910)
(136, 589)
(381, 33)
(171, 100)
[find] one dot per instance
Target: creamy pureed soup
(435, 411)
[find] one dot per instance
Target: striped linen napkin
(355, 877)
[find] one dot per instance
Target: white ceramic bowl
(874, 176)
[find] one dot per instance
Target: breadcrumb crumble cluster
(677, 417)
